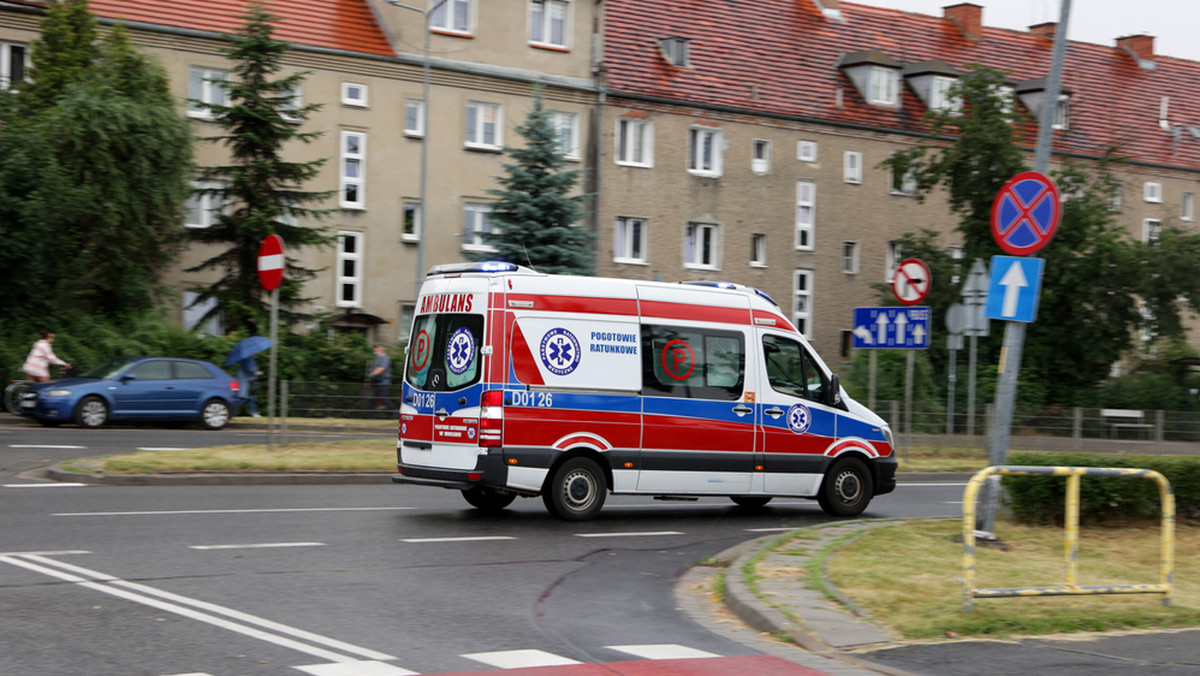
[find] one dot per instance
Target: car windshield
(107, 370)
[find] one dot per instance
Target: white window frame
(543, 21)
(202, 86)
(1116, 201)
(695, 255)
(892, 260)
(1151, 230)
(192, 315)
(1152, 192)
(806, 215)
(1187, 209)
(634, 134)
(478, 127)
(806, 151)
(883, 86)
(1062, 113)
(702, 163)
(7, 60)
(940, 99)
(410, 206)
(205, 208)
(354, 94)
(353, 281)
(566, 128)
(852, 170)
(758, 250)
(414, 117)
(475, 224)
(802, 300)
(676, 50)
(453, 16)
(850, 257)
(630, 233)
(906, 186)
(760, 156)
(353, 184)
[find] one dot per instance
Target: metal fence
(316, 399)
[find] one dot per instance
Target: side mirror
(127, 377)
(833, 396)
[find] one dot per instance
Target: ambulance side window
(693, 363)
(420, 350)
(791, 370)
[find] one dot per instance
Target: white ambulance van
(524, 384)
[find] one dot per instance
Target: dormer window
(1033, 94)
(932, 81)
(876, 76)
(675, 51)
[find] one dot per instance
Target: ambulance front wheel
(488, 499)
(577, 490)
(847, 489)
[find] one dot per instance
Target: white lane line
(355, 669)
(161, 448)
(516, 659)
(629, 535)
(477, 538)
(47, 553)
(661, 651)
(53, 484)
(68, 448)
(771, 530)
(237, 511)
(933, 484)
(175, 603)
(263, 545)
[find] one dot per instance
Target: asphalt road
(350, 580)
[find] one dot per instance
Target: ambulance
(521, 384)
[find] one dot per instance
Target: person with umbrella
(247, 372)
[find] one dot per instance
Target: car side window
(152, 370)
(791, 370)
(693, 363)
(186, 370)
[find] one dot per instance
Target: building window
(1062, 112)
(629, 240)
(354, 169)
(1188, 212)
(635, 142)
(676, 51)
(205, 87)
(566, 128)
(1151, 230)
(850, 258)
(1114, 200)
(548, 22)
(758, 250)
(883, 85)
(806, 151)
(806, 214)
(14, 62)
(704, 151)
(940, 99)
(414, 117)
(349, 269)
(354, 94)
(1152, 192)
(760, 159)
(892, 261)
(802, 302)
(852, 167)
(204, 208)
(847, 345)
(476, 224)
(452, 15)
(700, 246)
(483, 125)
(407, 311)
(904, 184)
(193, 314)
(411, 228)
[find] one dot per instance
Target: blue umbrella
(246, 348)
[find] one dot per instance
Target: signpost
(1025, 213)
(974, 295)
(956, 318)
(1015, 286)
(271, 265)
(911, 282)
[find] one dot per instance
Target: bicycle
(12, 395)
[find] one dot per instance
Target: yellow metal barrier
(1071, 544)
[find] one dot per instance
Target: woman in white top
(41, 356)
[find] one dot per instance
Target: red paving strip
(754, 665)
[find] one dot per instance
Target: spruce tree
(64, 51)
(261, 190)
(535, 219)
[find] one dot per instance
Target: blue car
(137, 388)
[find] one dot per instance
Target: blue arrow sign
(1015, 284)
(896, 328)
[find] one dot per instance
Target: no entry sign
(270, 262)
(1025, 213)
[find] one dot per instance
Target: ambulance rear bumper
(489, 471)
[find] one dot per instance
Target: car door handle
(742, 409)
(441, 413)
(774, 411)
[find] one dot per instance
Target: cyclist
(41, 356)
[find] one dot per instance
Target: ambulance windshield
(443, 352)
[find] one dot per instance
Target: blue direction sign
(894, 328)
(1025, 213)
(1014, 288)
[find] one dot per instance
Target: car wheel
(488, 499)
(215, 414)
(577, 490)
(91, 412)
(848, 488)
(749, 502)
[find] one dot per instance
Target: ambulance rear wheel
(847, 489)
(749, 502)
(577, 490)
(488, 499)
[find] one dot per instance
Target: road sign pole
(873, 364)
(950, 399)
(908, 397)
(971, 366)
(271, 375)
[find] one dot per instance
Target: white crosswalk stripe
(661, 651)
(363, 668)
(516, 659)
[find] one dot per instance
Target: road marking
(933, 484)
(174, 603)
(161, 448)
(67, 448)
(478, 538)
(628, 535)
(771, 530)
(237, 511)
(355, 669)
(661, 651)
(516, 659)
(47, 553)
(53, 484)
(264, 545)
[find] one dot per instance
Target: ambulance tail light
(491, 419)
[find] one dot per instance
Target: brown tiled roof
(780, 57)
(347, 25)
